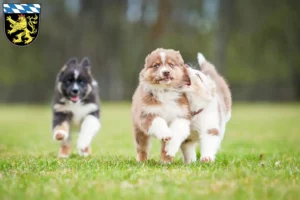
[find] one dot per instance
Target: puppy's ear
(147, 60)
(179, 58)
(71, 61)
(209, 85)
(85, 62)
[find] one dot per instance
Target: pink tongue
(76, 98)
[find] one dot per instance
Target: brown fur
(142, 98)
(222, 87)
(165, 158)
(213, 131)
(88, 150)
(65, 150)
(63, 126)
(142, 142)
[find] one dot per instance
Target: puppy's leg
(158, 127)
(142, 143)
(65, 148)
(89, 128)
(210, 138)
(188, 150)
(163, 154)
(60, 126)
(61, 132)
(181, 130)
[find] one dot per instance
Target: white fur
(201, 58)
(89, 128)
(202, 123)
(159, 128)
(64, 133)
(209, 118)
(94, 83)
(163, 57)
(78, 110)
(75, 86)
(76, 74)
(162, 70)
(181, 130)
(59, 87)
(170, 109)
(189, 152)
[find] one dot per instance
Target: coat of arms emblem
(21, 22)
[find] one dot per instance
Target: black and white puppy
(75, 103)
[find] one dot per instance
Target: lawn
(259, 159)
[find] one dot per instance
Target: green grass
(259, 159)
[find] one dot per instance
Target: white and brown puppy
(158, 109)
(210, 102)
(75, 103)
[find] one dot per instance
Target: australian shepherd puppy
(158, 109)
(75, 103)
(210, 102)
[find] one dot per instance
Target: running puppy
(76, 102)
(210, 102)
(158, 109)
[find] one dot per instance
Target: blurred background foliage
(254, 43)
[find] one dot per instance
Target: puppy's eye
(69, 81)
(156, 65)
(171, 64)
(81, 82)
(199, 77)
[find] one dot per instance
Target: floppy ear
(85, 62)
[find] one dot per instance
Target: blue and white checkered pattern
(21, 8)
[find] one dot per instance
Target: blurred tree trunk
(155, 33)
(225, 25)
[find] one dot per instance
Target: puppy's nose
(166, 73)
(74, 91)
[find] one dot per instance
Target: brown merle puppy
(158, 109)
(76, 102)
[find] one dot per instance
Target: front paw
(60, 135)
(172, 147)
(207, 159)
(166, 135)
(85, 152)
(83, 146)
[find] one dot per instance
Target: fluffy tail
(208, 69)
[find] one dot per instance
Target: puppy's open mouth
(74, 99)
(165, 80)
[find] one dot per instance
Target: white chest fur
(169, 109)
(78, 110)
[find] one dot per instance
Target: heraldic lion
(21, 24)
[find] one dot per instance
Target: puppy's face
(74, 80)
(200, 85)
(164, 67)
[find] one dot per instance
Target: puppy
(210, 102)
(158, 109)
(75, 103)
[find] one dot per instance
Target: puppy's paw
(172, 147)
(60, 135)
(85, 152)
(165, 135)
(61, 155)
(83, 146)
(207, 159)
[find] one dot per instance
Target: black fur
(87, 91)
